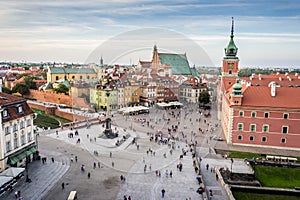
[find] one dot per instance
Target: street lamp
(231, 168)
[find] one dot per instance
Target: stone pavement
(43, 177)
(128, 160)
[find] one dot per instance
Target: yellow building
(71, 74)
(131, 92)
(98, 97)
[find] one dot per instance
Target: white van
(72, 195)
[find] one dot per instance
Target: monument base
(109, 134)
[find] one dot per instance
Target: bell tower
(230, 61)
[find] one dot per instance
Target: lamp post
(231, 168)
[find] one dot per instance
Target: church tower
(230, 61)
(155, 60)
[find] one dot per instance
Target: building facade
(17, 138)
(259, 111)
(71, 74)
(189, 90)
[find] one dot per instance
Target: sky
(267, 33)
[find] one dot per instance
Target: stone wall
(70, 116)
(58, 98)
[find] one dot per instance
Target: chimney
(280, 78)
(259, 77)
(273, 90)
(296, 74)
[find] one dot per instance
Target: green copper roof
(194, 72)
(231, 49)
(178, 62)
(237, 88)
(60, 70)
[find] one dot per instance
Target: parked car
(217, 138)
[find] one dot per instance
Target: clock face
(230, 65)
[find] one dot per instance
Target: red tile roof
(284, 80)
(260, 96)
(10, 103)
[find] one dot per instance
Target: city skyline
(266, 33)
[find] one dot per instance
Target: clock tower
(230, 61)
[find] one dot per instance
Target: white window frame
(250, 129)
(265, 125)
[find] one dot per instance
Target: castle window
(264, 139)
(283, 140)
(284, 129)
(252, 127)
(241, 113)
(285, 116)
(240, 126)
(240, 137)
(230, 72)
(253, 114)
(251, 138)
(265, 128)
(56, 78)
(266, 115)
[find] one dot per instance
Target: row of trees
(24, 88)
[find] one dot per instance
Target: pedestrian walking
(125, 198)
(99, 164)
(63, 185)
(94, 165)
(52, 160)
(75, 158)
(89, 175)
(112, 164)
(171, 173)
(110, 154)
(129, 197)
(163, 191)
(207, 166)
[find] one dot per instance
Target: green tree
(204, 97)
(6, 90)
(61, 89)
(29, 82)
(21, 88)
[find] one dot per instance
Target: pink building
(260, 111)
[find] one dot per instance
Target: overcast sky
(266, 32)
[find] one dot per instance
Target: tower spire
(232, 27)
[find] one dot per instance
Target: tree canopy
(61, 89)
(21, 88)
(204, 97)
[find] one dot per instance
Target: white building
(17, 138)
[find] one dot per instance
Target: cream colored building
(17, 138)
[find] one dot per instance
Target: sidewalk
(43, 177)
